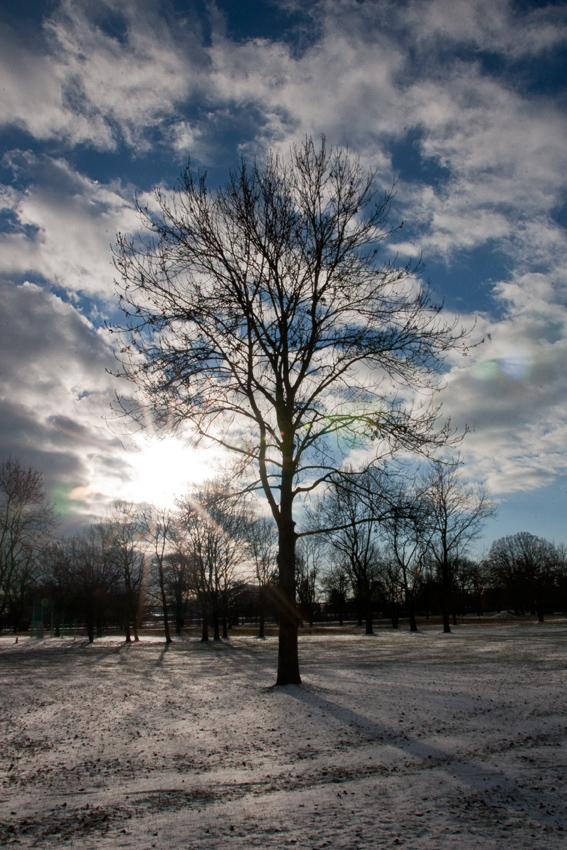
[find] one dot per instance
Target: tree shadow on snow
(477, 775)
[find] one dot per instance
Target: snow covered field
(397, 740)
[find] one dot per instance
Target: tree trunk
(205, 629)
(288, 648)
(179, 613)
(164, 603)
(446, 619)
(410, 604)
(446, 598)
(216, 625)
(135, 617)
(369, 618)
(90, 630)
(262, 629)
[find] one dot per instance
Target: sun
(164, 470)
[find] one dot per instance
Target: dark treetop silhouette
(261, 316)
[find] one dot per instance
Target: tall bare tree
(405, 533)
(308, 570)
(454, 515)
(336, 583)
(349, 512)
(527, 567)
(93, 574)
(130, 562)
(261, 539)
(262, 316)
(215, 528)
(158, 528)
(178, 584)
(25, 519)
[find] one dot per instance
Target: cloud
(63, 225)
(443, 77)
(484, 25)
(512, 393)
(56, 391)
(102, 74)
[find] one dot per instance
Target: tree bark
(205, 629)
(446, 598)
(164, 604)
(288, 647)
(410, 603)
(369, 618)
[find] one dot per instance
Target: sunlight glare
(164, 471)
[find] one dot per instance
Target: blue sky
(463, 101)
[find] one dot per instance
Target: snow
(394, 740)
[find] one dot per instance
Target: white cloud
(489, 25)
(56, 390)
(377, 74)
(88, 85)
(64, 225)
(512, 393)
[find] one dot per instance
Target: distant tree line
(395, 547)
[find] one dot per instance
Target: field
(394, 740)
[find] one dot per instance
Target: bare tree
(25, 520)
(561, 576)
(405, 533)
(308, 565)
(93, 574)
(178, 584)
(261, 316)
(262, 537)
(336, 583)
(24, 583)
(390, 583)
(215, 527)
(349, 515)
(527, 567)
(472, 581)
(59, 582)
(158, 527)
(454, 517)
(130, 562)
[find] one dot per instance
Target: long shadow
(161, 657)
(479, 777)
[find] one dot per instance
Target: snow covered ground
(397, 740)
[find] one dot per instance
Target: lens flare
(514, 363)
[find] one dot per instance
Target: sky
(463, 102)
